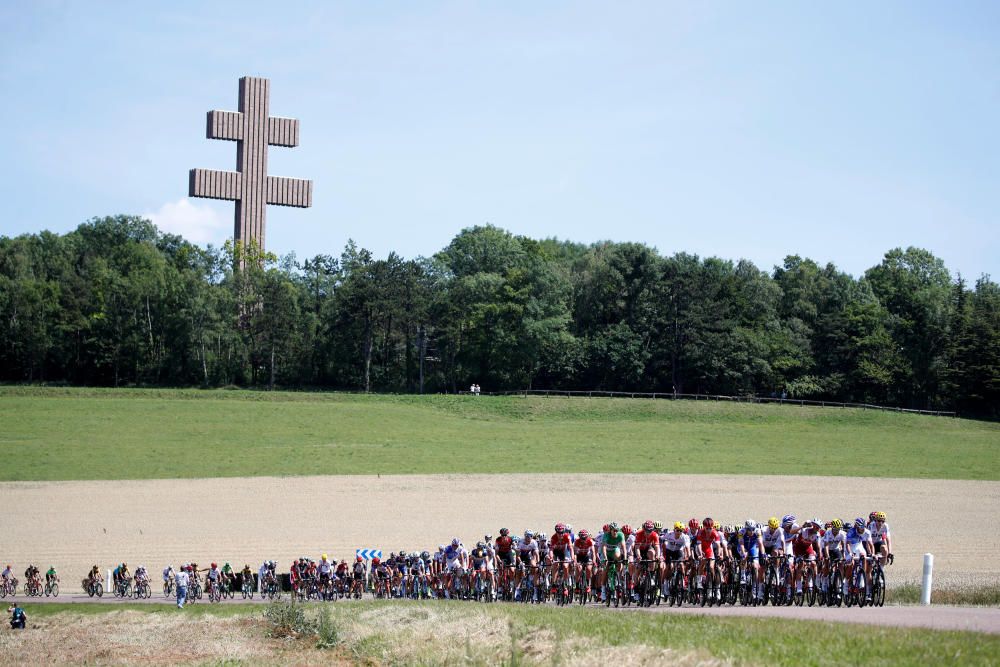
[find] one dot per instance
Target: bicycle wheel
(878, 588)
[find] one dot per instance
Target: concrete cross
(250, 186)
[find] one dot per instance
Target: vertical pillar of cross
(251, 160)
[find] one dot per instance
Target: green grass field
(432, 633)
(62, 434)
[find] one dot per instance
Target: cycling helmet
(772, 523)
(440, 547)
(657, 526)
(455, 541)
(392, 554)
(324, 556)
(626, 530)
(528, 534)
(708, 522)
(376, 560)
(816, 521)
(880, 516)
(488, 538)
(604, 528)
(872, 515)
(480, 544)
(788, 519)
(749, 524)
(693, 524)
(425, 554)
(859, 523)
(505, 532)
(214, 566)
(613, 526)
(560, 527)
(678, 525)
(569, 528)
(647, 525)
(837, 524)
(828, 525)
(584, 533)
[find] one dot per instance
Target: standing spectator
(477, 389)
(181, 579)
(472, 389)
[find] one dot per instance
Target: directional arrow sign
(368, 554)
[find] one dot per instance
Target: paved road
(975, 619)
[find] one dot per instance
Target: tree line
(116, 302)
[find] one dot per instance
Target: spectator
(18, 619)
(472, 389)
(181, 579)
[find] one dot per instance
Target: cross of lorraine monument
(250, 186)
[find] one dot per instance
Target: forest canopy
(116, 302)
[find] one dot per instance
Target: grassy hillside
(54, 434)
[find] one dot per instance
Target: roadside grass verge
(987, 595)
(67, 433)
(386, 632)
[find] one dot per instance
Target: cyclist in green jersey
(612, 547)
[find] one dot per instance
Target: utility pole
(422, 346)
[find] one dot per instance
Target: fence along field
(65, 434)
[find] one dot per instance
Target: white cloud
(198, 223)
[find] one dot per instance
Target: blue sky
(749, 130)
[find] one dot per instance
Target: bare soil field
(73, 525)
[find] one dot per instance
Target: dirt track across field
(73, 525)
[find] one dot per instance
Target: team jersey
(856, 539)
(836, 542)
(614, 541)
(505, 543)
(674, 542)
(751, 543)
(325, 567)
(773, 538)
(879, 533)
(560, 541)
(803, 543)
(525, 549)
(478, 556)
(707, 538)
(644, 540)
(790, 534)
(453, 553)
(583, 546)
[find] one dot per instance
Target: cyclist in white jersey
(881, 537)
(859, 546)
(834, 548)
(528, 556)
(773, 537)
(675, 546)
(491, 560)
(789, 528)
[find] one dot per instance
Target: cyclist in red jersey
(560, 547)
(647, 544)
(805, 544)
(707, 537)
(586, 554)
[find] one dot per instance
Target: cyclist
(50, 575)
(141, 575)
(491, 560)
(121, 576)
(647, 546)
(246, 576)
(880, 536)
(325, 570)
(676, 547)
(213, 578)
(805, 544)
(544, 554)
(773, 538)
(707, 538)
(31, 575)
(560, 543)
(505, 554)
(455, 557)
(528, 553)
(612, 549)
(584, 548)
(478, 560)
(751, 549)
(834, 547)
(359, 573)
(93, 577)
(227, 575)
(859, 548)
